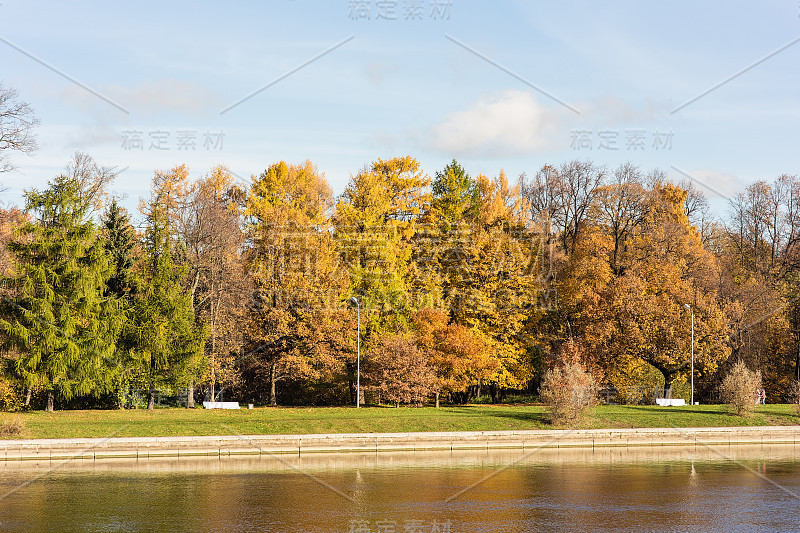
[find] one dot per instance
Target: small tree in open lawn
(740, 388)
(568, 389)
(398, 371)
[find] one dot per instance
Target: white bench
(221, 405)
(670, 402)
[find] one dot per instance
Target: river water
(607, 489)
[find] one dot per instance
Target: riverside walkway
(228, 445)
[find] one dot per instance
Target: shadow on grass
(540, 417)
(679, 410)
(525, 415)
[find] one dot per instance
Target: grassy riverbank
(184, 422)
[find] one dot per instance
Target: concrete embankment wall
(144, 447)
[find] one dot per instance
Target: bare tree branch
(17, 121)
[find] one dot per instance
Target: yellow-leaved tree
(640, 315)
(375, 221)
(294, 265)
(490, 280)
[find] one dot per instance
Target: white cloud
(510, 123)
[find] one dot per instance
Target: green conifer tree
(58, 316)
(168, 344)
(120, 245)
(455, 195)
(120, 248)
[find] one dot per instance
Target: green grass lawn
(185, 422)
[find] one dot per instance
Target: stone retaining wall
(144, 447)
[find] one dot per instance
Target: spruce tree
(168, 343)
(454, 193)
(120, 246)
(57, 315)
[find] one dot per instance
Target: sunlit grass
(304, 420)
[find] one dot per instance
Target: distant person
(763, 396)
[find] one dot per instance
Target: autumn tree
(483, 270)
(375, 221)
(575, 185)
(208, 222)
(10, 220)
(461, 357)
(760, 253)
(168, 343)
(493, 286)
(398, 371)
(640, 315)
(294, 265)
(328, 343)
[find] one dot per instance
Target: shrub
(9, 398)
(567, 390)
(11, 426)
(796, 396)
(739, 389)
(397, 371)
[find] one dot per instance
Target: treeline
(465, 285)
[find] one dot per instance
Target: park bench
(221, 405)
(670, 401)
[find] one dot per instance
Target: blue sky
(511, 85)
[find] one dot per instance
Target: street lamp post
(687, 306)
(358, 360)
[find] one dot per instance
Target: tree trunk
(213, 354)
(151, 403)
(796, 364)
(460, 397)
(272, 400)
(437, 400)
(494, 390)
(669, 373)
(190, 396)
(28, 397)
(351, 381)
(50, 401)
(193, 290)
(668, 378)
